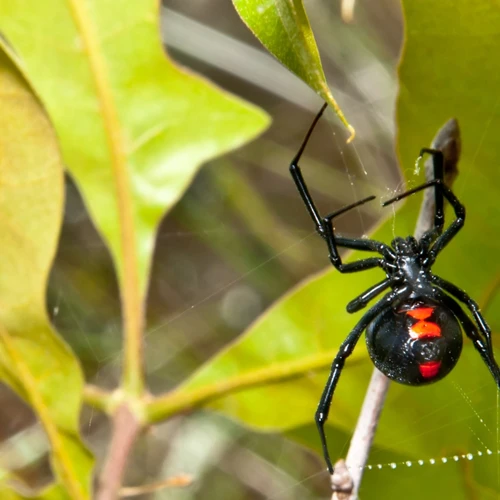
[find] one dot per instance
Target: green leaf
(283, 28)
(54, 492)
(33, 361)
(447, 70)
(133, 127)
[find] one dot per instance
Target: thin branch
(362, 439)
(347, 481)
(172, 482)
(162, 407)
(126, 428)
(98, 398)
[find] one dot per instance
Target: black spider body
(418, 339)
(414, 332)
(416, 342)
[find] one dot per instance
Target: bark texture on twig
(351, 471)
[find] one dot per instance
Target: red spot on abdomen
(424, 329)
(429, 369)
(421, 328)
(420, 312)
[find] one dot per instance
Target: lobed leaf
(33, 360)
(133, 127)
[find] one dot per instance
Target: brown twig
(362, 438)
(346, 483)
(126, 428)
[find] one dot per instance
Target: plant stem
(179, 481)
(97, 398)
(124, 250)
(181, 400)
(347, 481)
(126, 427)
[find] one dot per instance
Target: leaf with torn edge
(33, 360)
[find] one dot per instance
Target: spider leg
(471, 331)
(451, 231)
(362, 300)
(306, 195)
(358, 265)
(438, 164)
(460, 295)
(427, 239)
(365, 244)
(320, 222)
(325, 229)
(338, 364)
(437, 182)
(299, 179)
(352, 243)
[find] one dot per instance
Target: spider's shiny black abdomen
(417, 342)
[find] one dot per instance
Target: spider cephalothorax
(414, 332)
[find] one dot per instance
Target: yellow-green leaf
(33, 360)
(283, 28)
(133, 127)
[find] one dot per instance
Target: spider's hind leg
(338, 364)
(482, 345)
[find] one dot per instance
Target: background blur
(236, 242)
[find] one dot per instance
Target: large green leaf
(133, 127)
(32, 359)
(283, 28)
(448, 69)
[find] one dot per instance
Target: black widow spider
(412, 332)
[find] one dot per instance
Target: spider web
(218, 266)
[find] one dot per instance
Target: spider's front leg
(436, 237)
(299, 179)
(438, 169)
(338, 364)
(354, 243)
(324, 224)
